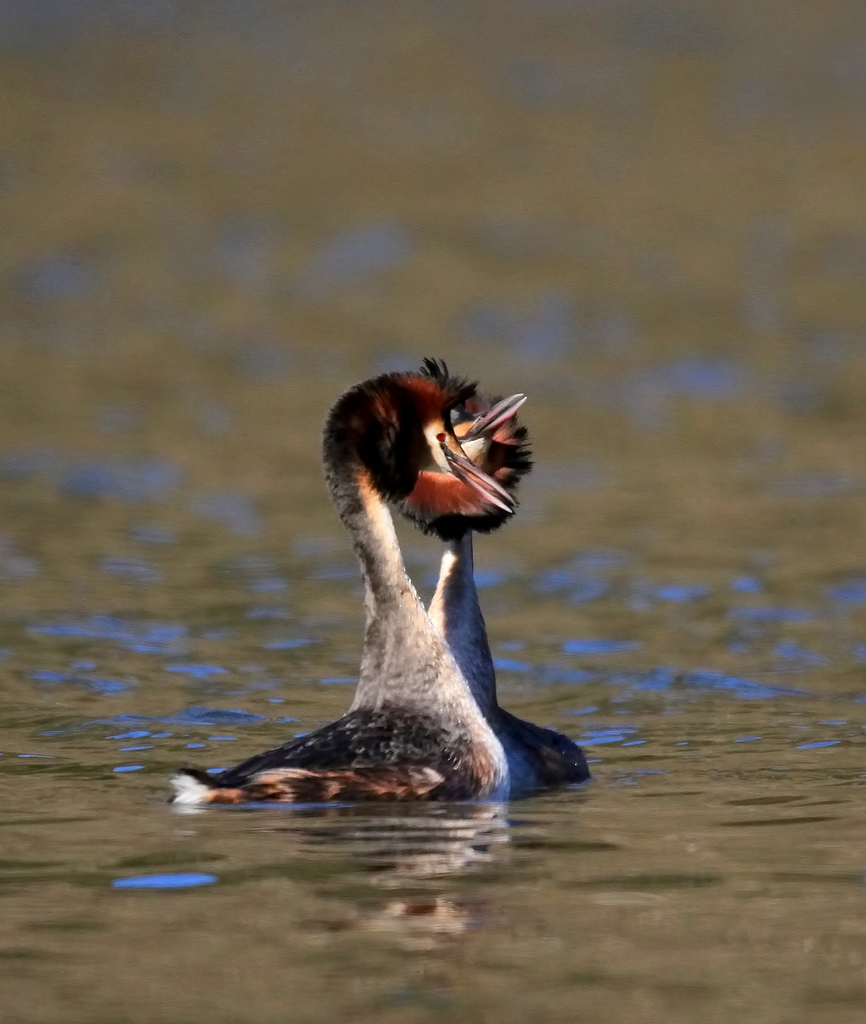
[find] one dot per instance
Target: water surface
(651, 220)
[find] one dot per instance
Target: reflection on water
(408, 842)
(650, 219)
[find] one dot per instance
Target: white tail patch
(428, 776)
(188, 791)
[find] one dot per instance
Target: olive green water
(652, 219)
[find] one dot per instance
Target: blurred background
(648, 215)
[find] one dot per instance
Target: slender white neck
(406, 661)
(455, 610)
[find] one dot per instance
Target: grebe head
(493, 445)
(402, 433)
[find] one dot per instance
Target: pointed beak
(468, 473)
(495, 416)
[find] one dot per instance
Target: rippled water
(650, 219)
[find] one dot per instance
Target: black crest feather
(458, 389)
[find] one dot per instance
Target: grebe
(537, 757)
(425, 723)
(414, 729)
(489, 433)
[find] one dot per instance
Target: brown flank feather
(300, 786)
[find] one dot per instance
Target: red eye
(441, 438)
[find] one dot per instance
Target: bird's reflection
(423, 924)
(402, 842)
(412, 848)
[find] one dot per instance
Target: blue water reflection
(59, 277)
(136, 569)
(153, 533)
(547, 330)
(747, 585)
(192, 716)
(852, 591)
(682, 593)
(668, 679)
(98, 683)
(141, 637)
(173, 880)
(129, 480)
(599, 646)
(754, 614)
(235, 511)
(350, 257)
(197, 671)
(800, 655)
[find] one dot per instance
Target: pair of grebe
(425, 723)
